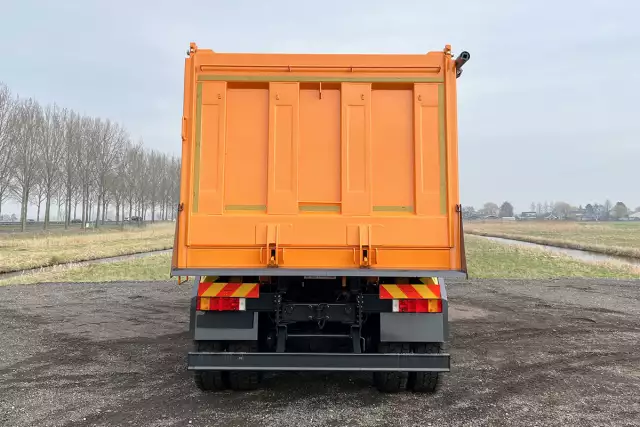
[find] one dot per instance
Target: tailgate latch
(273, 233)
(365, 257)
(272, 253)
(366, 254)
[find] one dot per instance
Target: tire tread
(392, 382)
(243, 380)
(425, 382)
(209, 380)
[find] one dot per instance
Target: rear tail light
(417, 306)
(220, 304)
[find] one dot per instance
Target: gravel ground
(559, 352)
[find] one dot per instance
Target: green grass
(152, 267)
(485, 260)
(488, 259)
(611, 238)
(20, 252)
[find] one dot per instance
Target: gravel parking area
(555, 352)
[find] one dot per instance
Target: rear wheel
(243, 380)
(424, 382)
(392, 382)
(209, 380)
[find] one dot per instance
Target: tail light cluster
(220, 304)
(417, 306)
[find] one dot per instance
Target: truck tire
(209, 380)
(392, 382)
(243, 380)
(424, 382)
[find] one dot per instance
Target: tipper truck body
(319, 214)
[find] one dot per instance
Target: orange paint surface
(336, 161)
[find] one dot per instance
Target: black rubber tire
(425, 382)
(392, 382)
(209, 380)
(244, 380)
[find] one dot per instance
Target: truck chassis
(317, 324)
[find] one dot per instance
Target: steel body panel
(250, 196)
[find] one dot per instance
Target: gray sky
(547, 105)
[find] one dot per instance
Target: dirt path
(562, 352)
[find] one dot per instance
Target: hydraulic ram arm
(460, 61)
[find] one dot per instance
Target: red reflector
(419, 306)
(218, 304)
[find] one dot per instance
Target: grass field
(612, 238)
(19, 252)
(485, 259)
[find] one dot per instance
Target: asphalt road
(524, 353)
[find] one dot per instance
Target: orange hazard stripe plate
(407, 291)
(234, 290)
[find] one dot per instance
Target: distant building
(634, 217)
(576, 215)
(528, 215)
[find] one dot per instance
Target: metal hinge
(180, 207)
(458, 208)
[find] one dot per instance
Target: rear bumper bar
(367, 362)
(353, 272)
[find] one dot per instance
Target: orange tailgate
(319, 162)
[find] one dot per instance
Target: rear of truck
(319, 214)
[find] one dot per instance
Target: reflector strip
(249, 290)
(409, 291)
(236, 290)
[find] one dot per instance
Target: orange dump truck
(319, 214)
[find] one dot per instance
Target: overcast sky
(548, 104)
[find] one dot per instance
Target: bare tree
(175, 186)
(7, 142)
(85, 163)
(607, 208)
(52, 152)
(69, 167)
(107, 149)
(28, 134)
(121, 183)
(156, 170)
(562, 209)
(132, 163)
(142, 184)
(37, 195)
(55, 156)
(59, 196)
(620, 210)
(506, 210)
(490, 208)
